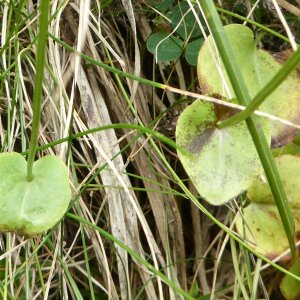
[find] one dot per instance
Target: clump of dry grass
(119, 178)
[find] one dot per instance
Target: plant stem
(141, 129)
(38, 84)
(290, 65)
(257, 134)
(107, 67)
(256, 24)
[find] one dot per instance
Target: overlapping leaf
(289, 169)
(223, 163)
(258, 67)
(262, 227)
(261, 222)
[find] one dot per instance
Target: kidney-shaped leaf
(223, 163)
(257, 67)
(29, 208)
(289, 170)
(261, 226)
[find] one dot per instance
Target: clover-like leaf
(161, 5)
(164, 47)
(289, 170)
(183, 20)
(223, 162)
(258, 67)
(192, 50)
(29, 208)
(262, 227)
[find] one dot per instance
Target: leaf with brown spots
(223, 162)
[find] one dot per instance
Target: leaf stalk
(38, 84)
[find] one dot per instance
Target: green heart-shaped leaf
(261, 225)
(29, 208)
(289, 170)
(223, 163)
(258, 68)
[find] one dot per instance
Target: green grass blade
(87, 264)
(133, 254)
(237, 272)
(39, 268)
(139, 128)
(68, 275)
(256, 279)
(258, 137)
(107, 67)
